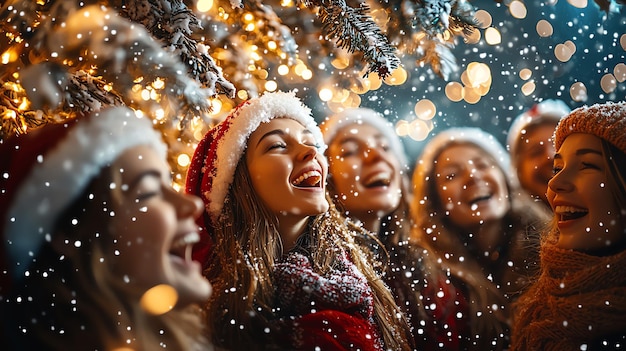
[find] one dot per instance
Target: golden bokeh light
(425, 109)
(418, 130)
(492, 36)
(578, 92)
(159, 299)
(620, 72)
(544, 28)
(581, 4)
(484, 19)
(525, 73)
(204, 5)
(528, 88)
(454, 91)
(518, 9)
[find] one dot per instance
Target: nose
(307, 152)
(187, 205)
(371, 153)
(560, 182)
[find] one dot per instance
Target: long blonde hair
(77, 299)
(247, 244)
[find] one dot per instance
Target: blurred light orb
(418, 130)
(402, 128)
(525, 73)
(492, 36)
(478, 74)
(159, 299)
(622, 41)
(608, 83)
(397, 77)
(544, 28)
(620, 72)
(374, 81)
(528, 88)
(581, 4)
(183, 160)
(578, 92)
(325, 94)
(204, 5)
(483, 18)
(518, 9)
(271, 85)
(454, 91)
(283, 70)
(470, 95)
(563, 52)
(425, 109)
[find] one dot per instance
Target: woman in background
(369, 183)
(470, 213)
(579, 299)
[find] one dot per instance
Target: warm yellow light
(578, 92)
(484, 19)
(159, 114)
(243, 94)
(159, 299)
(145, 94)
(525, 73)
(563, 52)
(544, 28)
(492, 36)
(248, 17)
(204, 5)
(528, 88)
(581, 4)
(374, 81)
(608, 83)
(620, 72)
(183, 160)
(158, 83)
(418, 130)
(249, 27)
(478, 73)
(402, 128)
(397, 77)
(271, 85)
(518, 9)
(307, 74)
(325, 94)
(272, 45)
(8, 56)
(283, 70)
(24, 105)
(425, 109)
(454, 91)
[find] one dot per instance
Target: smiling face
(155, 227)
(534, 159)
(366, 174)
(588, 216)
(286, 169)
(470, 186)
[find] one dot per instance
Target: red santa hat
(606, 121)
(547, 111)
(44, 171)
(213, 165)
(361, 115)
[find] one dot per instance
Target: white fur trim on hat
(475, 136)
(62, 173)
(547, 111)
(362, 115)
(237, 128)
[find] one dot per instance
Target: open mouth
(568, 213)
(480, 198)
(310, 179)
(182, 246)
(378, 180)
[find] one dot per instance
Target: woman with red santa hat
(286, 270)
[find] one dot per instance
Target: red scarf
(578, 299)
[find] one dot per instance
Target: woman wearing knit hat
(286, 271)
(529, 141)
(469, 213)
(369, 182)
(579, 300)
(97, 239)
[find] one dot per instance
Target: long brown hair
(489, 316)
(75, 298)
(247, 244)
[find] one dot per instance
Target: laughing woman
(469, 213)
(97, 238)
(285, 269)
(579, 299)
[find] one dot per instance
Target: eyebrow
(281, 133)
(149, 173)
(580, 152)
(356, 140)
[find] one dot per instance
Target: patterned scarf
(578, 300)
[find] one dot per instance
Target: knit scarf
(578, 299)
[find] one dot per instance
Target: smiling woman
(287, 272)
(579, 299)
(96, 239)
(470, 212)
